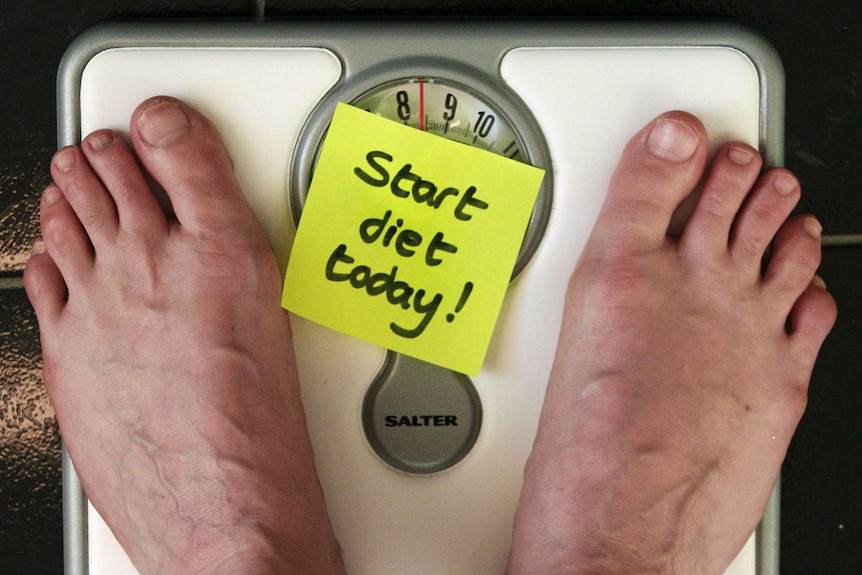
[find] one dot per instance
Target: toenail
(818, 282)
(38, 247)
(813, 227)
(672, 140)
(784, 183)
(100, 140)
(51, 195)
(65, 159)
(739, 155)
(162, 123)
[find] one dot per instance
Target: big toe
(185, 154)
(658, 170)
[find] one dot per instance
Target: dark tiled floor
(822, 492)
(31, 532)
(821, 45)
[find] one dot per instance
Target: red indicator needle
(421, 105)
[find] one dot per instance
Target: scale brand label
(408, 240)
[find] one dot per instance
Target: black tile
(607, 9)
(31, 515)
(821, 516)
(821, 46)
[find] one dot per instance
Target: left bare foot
(169, 359)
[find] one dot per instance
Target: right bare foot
(169, 359)
(682, 369)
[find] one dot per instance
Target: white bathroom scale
(422, 466)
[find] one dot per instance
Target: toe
(44, 283)
(794, 261)
(811, 320)
(85, 193)
(137, 208)
(734, 171)
(66, 241)
(767, 207)
(184, 152)
(659, 168)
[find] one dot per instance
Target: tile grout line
(828, 241)
(17, 283)
(837, 240)
(259, 9)
(12, 283)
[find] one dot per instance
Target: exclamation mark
(465, 295)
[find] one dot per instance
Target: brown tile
(22, 179)
(30, 469)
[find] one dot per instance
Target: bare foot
(682, 369)
(168, 357)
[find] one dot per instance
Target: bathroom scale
(421, 466)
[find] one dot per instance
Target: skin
(681, 372)
(188, 435)
(682, 368)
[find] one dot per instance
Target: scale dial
(446, 101)
(447, 109)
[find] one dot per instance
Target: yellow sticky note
(408, 240)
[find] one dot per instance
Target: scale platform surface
(574, 93)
